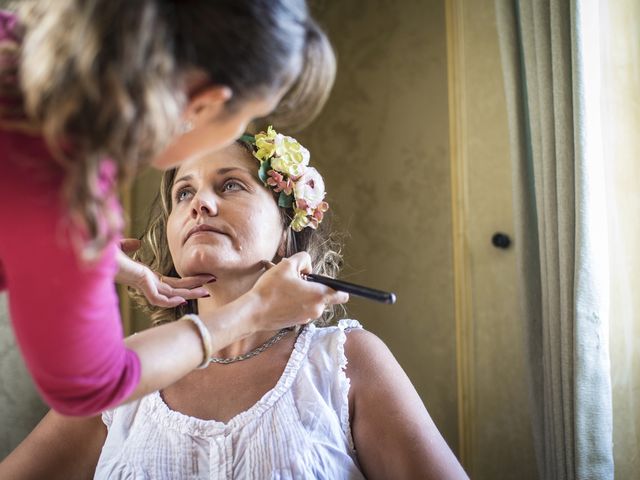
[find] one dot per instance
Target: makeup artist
(90, 90)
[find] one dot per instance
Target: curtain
(550, 55)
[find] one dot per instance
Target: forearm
(170, 351)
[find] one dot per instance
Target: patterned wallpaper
(382, 145)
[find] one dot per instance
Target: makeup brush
(352, 288)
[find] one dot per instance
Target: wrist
(233, 321)
(130, 272)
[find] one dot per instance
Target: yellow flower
(300, 220)
(266, 144)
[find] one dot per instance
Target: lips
(203, 227)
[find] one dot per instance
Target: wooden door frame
(463, 302)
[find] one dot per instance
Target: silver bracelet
(205, 336)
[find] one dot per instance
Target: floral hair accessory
(284, 168)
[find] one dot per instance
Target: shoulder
(332, 336)
(359, 352)
(350, 338)
(367, 357)
(363, 343)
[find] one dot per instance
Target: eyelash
(180, 191)
(233, 181)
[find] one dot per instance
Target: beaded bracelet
(205, 336)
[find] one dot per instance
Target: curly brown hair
(323, 245)
(106, 79)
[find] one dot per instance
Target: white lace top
(297, 430)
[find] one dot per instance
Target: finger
(337, 298)
(301, 262)
(189, 294)
(129, 245)
(172, 302)
(188, 282)
(166, 302)
(154, 296)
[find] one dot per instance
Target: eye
(232, 185)
(182, 194)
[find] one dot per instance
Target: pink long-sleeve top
(64, 311)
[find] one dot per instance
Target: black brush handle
(352, 288)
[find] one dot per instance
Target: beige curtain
(550, 53)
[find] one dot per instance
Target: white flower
(310, 188)
(290, 157)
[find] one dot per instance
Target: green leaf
(248, 138)
(264, 168)
(285, 201)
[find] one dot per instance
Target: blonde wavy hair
(105, 79)
(323, 245)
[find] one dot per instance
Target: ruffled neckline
(157, 409)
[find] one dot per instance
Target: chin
(214, 264)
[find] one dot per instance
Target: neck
(227, 288)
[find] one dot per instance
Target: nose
(204, 206)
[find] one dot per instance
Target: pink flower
(279, 184)
(309, 188)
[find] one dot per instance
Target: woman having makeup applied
(312, 402)
(90, 91)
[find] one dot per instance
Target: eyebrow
(185, 178)
(220, 171)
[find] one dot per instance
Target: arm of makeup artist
(393, 433)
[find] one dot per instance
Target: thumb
(130, 245)
(267, 264)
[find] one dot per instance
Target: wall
(382, 145)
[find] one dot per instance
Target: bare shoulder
(368, 356)
(363, 344)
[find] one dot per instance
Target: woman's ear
(207, 104)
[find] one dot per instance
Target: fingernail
(206, 296)
(183, 304)
(211, 281)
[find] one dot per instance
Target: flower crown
(284, 168)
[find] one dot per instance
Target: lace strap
(345, 384)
